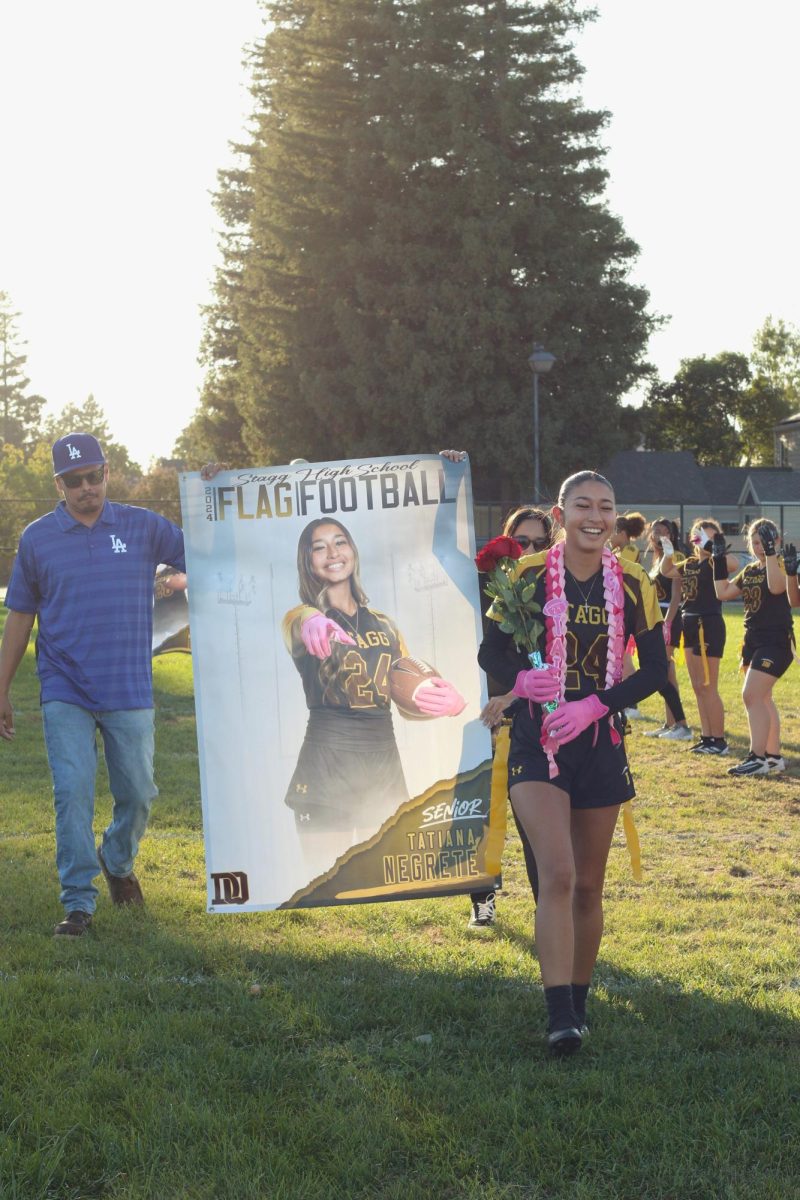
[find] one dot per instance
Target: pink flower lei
(556, 610)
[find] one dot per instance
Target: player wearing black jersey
(668, 593)
(348, 777)
(768, 642)
(703, 629)
(568, 773)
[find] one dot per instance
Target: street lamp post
(540, 362)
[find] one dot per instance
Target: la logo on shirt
(117, 544)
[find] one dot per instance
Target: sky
(116, 119)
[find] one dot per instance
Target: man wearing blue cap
(86, 571)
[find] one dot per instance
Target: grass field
(389, 1054)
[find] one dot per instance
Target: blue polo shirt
(92, 590)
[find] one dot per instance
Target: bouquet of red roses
(511, 596)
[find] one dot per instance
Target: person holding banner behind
(534, 529)
(568, 772)
(349, 778)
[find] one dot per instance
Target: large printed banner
(335, 624)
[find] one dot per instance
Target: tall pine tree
(422, 198)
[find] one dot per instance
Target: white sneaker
(678, 733)
(633, 714)
(662, 729)
(776, 764)
(752, 765)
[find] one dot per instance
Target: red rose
(491, 554)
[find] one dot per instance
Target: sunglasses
(532, 543)
(90, 477)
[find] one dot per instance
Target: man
(86, 571)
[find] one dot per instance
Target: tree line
(26, 438)
(420, 198)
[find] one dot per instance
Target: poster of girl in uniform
(335, 623)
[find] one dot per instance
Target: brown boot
(124, 889)
(75, 924)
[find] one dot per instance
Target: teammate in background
(703, 628)
(768, 641)
(534, 530)
(668, 592)
(627, 527)
(568, 773)
(348, 777)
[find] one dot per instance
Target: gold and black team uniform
(630, 553)
(349, 771)
(768, 632)
(701, 611)
(592, 770)
(663, 587)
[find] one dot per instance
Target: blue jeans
(70, 738)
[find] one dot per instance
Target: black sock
(560, 1013)
(718, 741)
(579, 993)
(706, 739)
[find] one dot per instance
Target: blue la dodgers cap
(76, 450)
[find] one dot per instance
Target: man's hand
(209, 470)
(7, 730)
(454, 456)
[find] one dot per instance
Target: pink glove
(319, 631)
(539, 686)
(439, 699)
(572, 718)
(666, 629)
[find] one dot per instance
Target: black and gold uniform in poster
(335, 626)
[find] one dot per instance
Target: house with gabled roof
(663, 483)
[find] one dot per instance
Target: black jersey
(587, 624)
(355, 679)
(663, 585)
(764, 611)
(698, 598)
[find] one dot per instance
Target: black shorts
(772, 658)
(713, 634)
(675, 629)
(593, 774)
(348, 773)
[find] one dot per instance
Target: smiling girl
(348, 777)
(568, 772)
